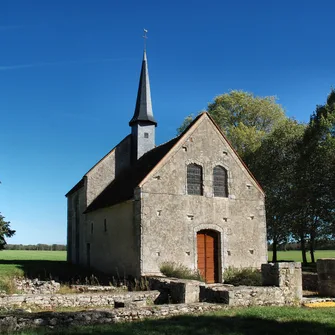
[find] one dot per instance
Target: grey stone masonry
(287, 276)
(185, 291)
(35, 286)
(282, 286)
(46, 301)
(326, 276)
(19, 321)
(245, 296)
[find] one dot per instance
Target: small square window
(146, 135)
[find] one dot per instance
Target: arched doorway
(208, 260)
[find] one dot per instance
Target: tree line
(294, 162)
(46, 247)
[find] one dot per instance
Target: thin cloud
(69, 62)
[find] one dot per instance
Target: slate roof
(143, 109)
(122, 187)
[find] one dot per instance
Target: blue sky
(69, 73)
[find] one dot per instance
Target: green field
(292, 255)
(32, 255)
(295, 255)
(232, 321)
(45, 265)
(12, 262)
(51, 264)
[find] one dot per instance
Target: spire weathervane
(145, 38)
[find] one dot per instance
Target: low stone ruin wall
(326, 276)
(282, 285)
(310, 281)
(95, 288)
(35, 286)
(246, 296)
(18, 322)
(175, 290)
(47, 301)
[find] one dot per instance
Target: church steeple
(143, 123)
(143, 109)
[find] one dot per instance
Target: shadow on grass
(60, 271)
(203, 325)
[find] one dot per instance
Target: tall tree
(274, 164)
(245, 118)
(5, 231)
(315, 192)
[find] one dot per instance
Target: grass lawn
(295, 255)
(44, 265)
(32, 255)
(13, 262)
(234, 321)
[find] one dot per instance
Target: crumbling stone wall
(287, 276)
(35, 286)
(47, 301)
(17, 321)
(283, 286)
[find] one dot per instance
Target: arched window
(194, 179)
(220, 182)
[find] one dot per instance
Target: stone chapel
(191, 201)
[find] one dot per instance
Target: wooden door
(207, 245)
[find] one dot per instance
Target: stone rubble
(47, 301)
(95, 288)
(35, 286)
(20, 321)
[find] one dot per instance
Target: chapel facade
(190, 201)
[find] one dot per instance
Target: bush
(246, 276)
(175, 270)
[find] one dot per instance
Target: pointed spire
(143, 109)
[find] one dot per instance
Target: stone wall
(35, 286)
(101, 174)
(287, 276)
(283, 286)
(247, 296)
(326, 276)
(94, 181)
(94, 288)
(310, 281)
(47, 301)
(113, 249)
(171, 218)
(17, 321)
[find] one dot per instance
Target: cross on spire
(145, 37)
